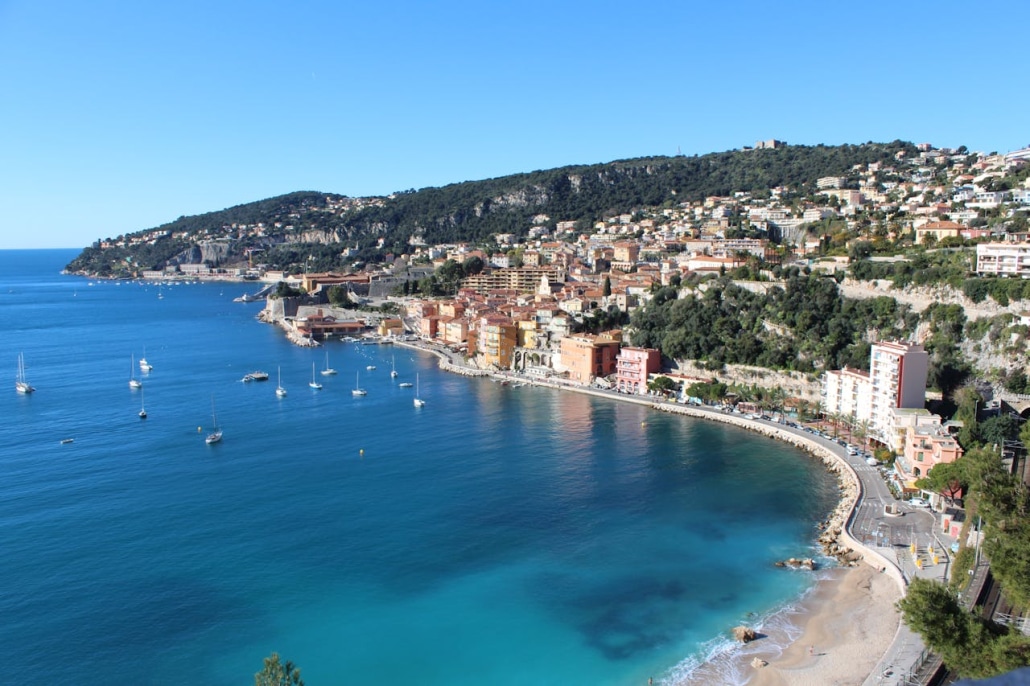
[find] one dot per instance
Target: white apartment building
(896, 378)
(1003, 259)
(847, 392)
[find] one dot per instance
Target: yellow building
(390, 327)
(496, 340)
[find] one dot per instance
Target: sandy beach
(836, 637)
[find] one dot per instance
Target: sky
(119, 115)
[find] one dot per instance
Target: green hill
(475, 210)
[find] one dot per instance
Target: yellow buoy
(362, 451)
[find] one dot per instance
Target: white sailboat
(314, 384)
(418, 402)
(144, 366)
(142, 406)
(328, 371)
(133, 381)
(216, 435)
(393, 368)
(279, 390)
(20, 384)
(358, 390)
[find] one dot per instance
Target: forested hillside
(475, 210)
(805, 325)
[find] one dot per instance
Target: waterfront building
(586, 357)
(495, 338)
(632, 368)
(896, 379)
(848, 392)
(897, 372)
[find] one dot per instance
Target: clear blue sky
(120, 116)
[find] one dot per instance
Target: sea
(498, 535)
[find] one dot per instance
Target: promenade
(879, 526)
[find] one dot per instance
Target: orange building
(587, 357)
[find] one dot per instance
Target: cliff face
(211, 252)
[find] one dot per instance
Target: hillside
(471, 211)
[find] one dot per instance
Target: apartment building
(495, 340)
(897, 372)
(632, 368)
(848, 392)
(587, 357)
(896, 379)
(521, 280)
(1003, 259)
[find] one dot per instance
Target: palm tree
(835, 417)
(861, 432)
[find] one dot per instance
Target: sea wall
(836, 538)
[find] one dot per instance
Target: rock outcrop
(744, 634)
(805, 563)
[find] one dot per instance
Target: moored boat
(21, 384)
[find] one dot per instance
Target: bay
(498, 535)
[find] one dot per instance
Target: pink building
(924, 448)
(632, 367)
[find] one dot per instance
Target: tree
(860, 250)
(338, 296)
(607, 291)
(969, 645)
(949, 479)
(276, 673)
(661, 384)
(473, 265)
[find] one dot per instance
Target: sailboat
(418, 402)
(20, 384)
(358, 390)
(328, 371)
(216, 435)
(142, 407)
(393, 368)
(144, 366)
(279, 390)
(314, 384)
(133, 381)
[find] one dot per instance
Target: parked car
(918, 502)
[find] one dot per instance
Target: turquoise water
(498, 535)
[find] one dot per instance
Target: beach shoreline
(835, 634)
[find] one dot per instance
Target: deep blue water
(496, 536)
